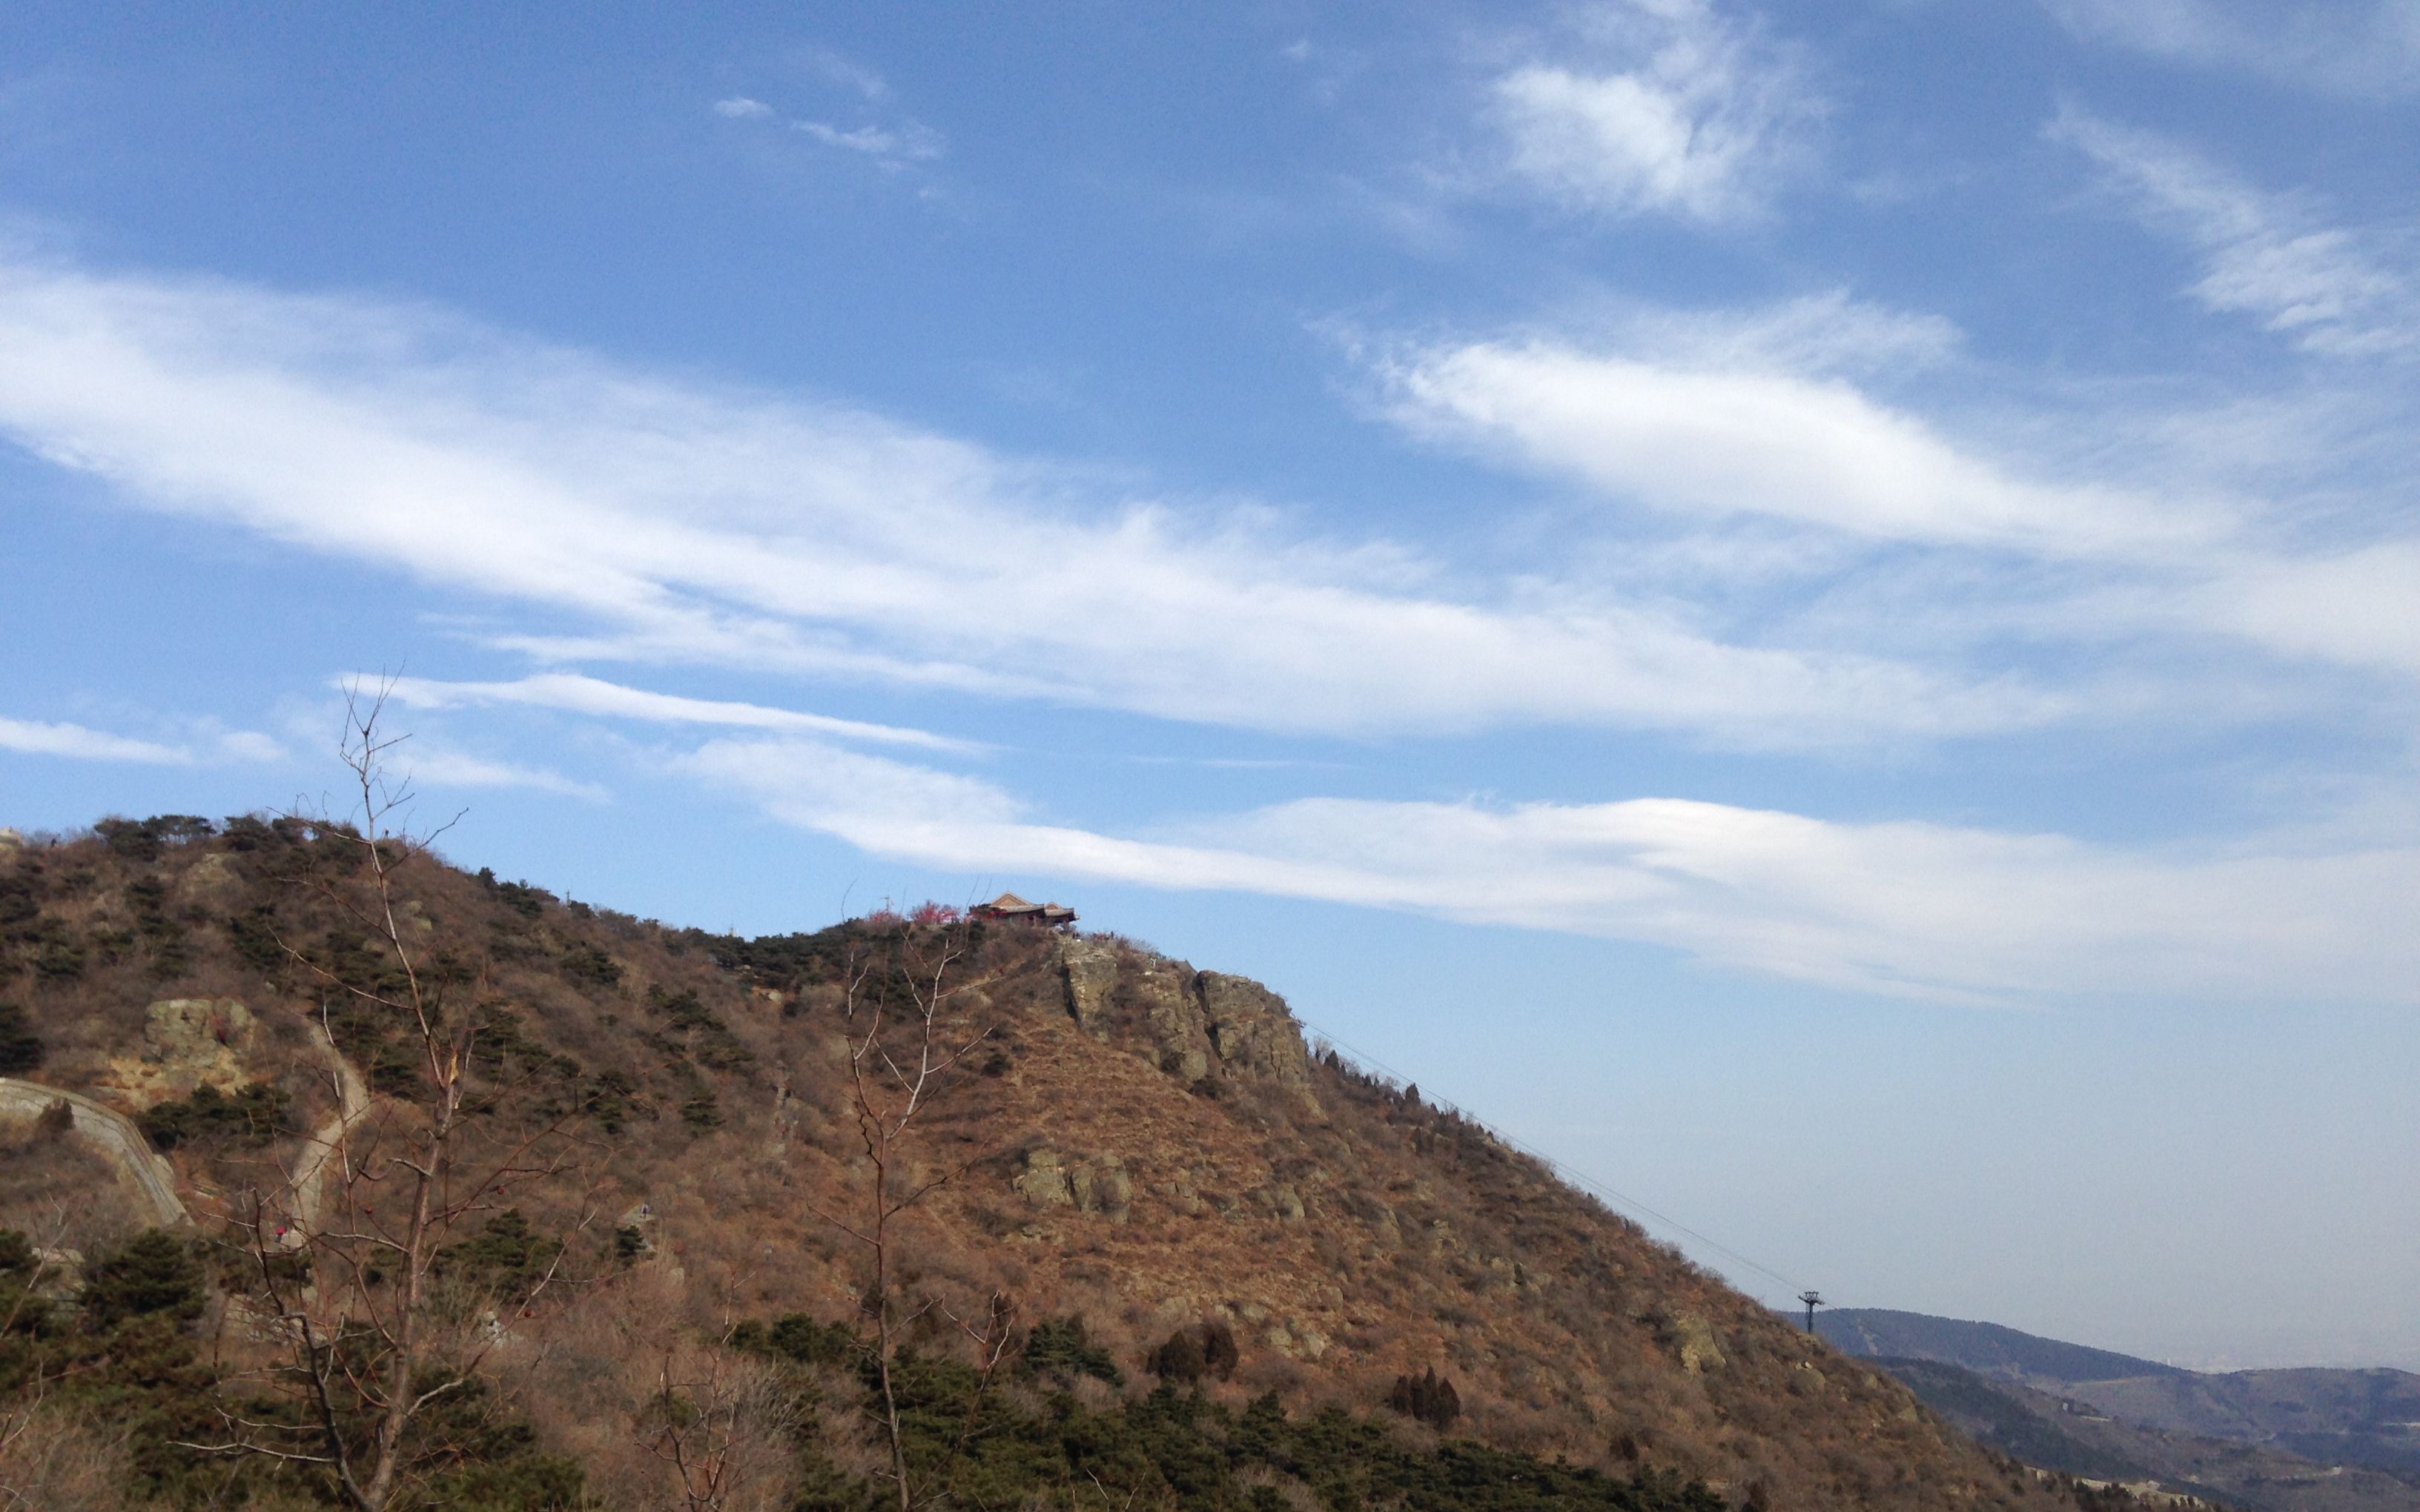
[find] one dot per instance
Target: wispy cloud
(577, 694)
(426, 764)
(2271, 256)
(1923, 910)
(207, 741)
(894, 146)
(2355, 47)
(1767, 421)
(75, 741)
(1687, 113)
(734, 527)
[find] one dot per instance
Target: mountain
(1987, 1349)
(2298, 1438)
(318, 1156)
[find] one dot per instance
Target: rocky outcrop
(1096, 1184)
(1194, 1026)
(1091, 969)
(1255, 1037)
(1691, 1337)
(188, 1042)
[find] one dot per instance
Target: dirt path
(113, 1133)
(327, 1141)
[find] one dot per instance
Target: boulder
(1043, 1183)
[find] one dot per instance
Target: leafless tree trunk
(363, 1332)
(898, 1060)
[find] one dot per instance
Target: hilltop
(1163, 1247)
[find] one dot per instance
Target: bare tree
(343, 1261)
(722, 1423)
(895, 996)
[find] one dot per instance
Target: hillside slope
(1130, 1151)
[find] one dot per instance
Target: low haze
(1813, 611)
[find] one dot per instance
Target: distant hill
(2075, 1437)
(2172, 1422)
(1986, 1349)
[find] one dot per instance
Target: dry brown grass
(1420, 1243)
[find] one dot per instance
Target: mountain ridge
(1128, 1153)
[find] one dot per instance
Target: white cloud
(1696, 117)
(424, 764)
(35, 738)
(1712, 426)
(741, 108)
(909, 142)
(1755, 438)
(692, 522)
(2356, 47)
(2331, 290)
(207, 741)
(577, 694)
(1918, 909)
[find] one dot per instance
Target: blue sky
(1815, 609)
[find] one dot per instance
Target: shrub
(1058, 1346)
(506, 1257)
(1189, 1354)
(797, 1336)
(1428, 1397)
(154, 1274)
(252, 1117)
(21, 1048)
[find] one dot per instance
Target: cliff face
(1125, 1139)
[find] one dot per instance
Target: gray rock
(1043, 1183)
(1091, 970)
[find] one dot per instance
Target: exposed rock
(638, 1221)
(1099, 1184)
(1286, 1202)
(10, 840)
(1254, 1034)
(1102, 1186)
(1179, 1039)
(209, 879)
(188, 1042)
(1693, 1338)
(1090, 968)
(1043, 1183)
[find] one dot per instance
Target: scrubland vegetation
(503, 1200)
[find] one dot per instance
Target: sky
(1813, 609)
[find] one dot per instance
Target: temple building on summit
(1009, 905)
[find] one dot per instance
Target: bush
(154, 1274)
(252, 1117)
(506, 1257)
(21, 1048)
(1429, 1398)
(1189, 1354)
(800, 1338)
(1058, 1346)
